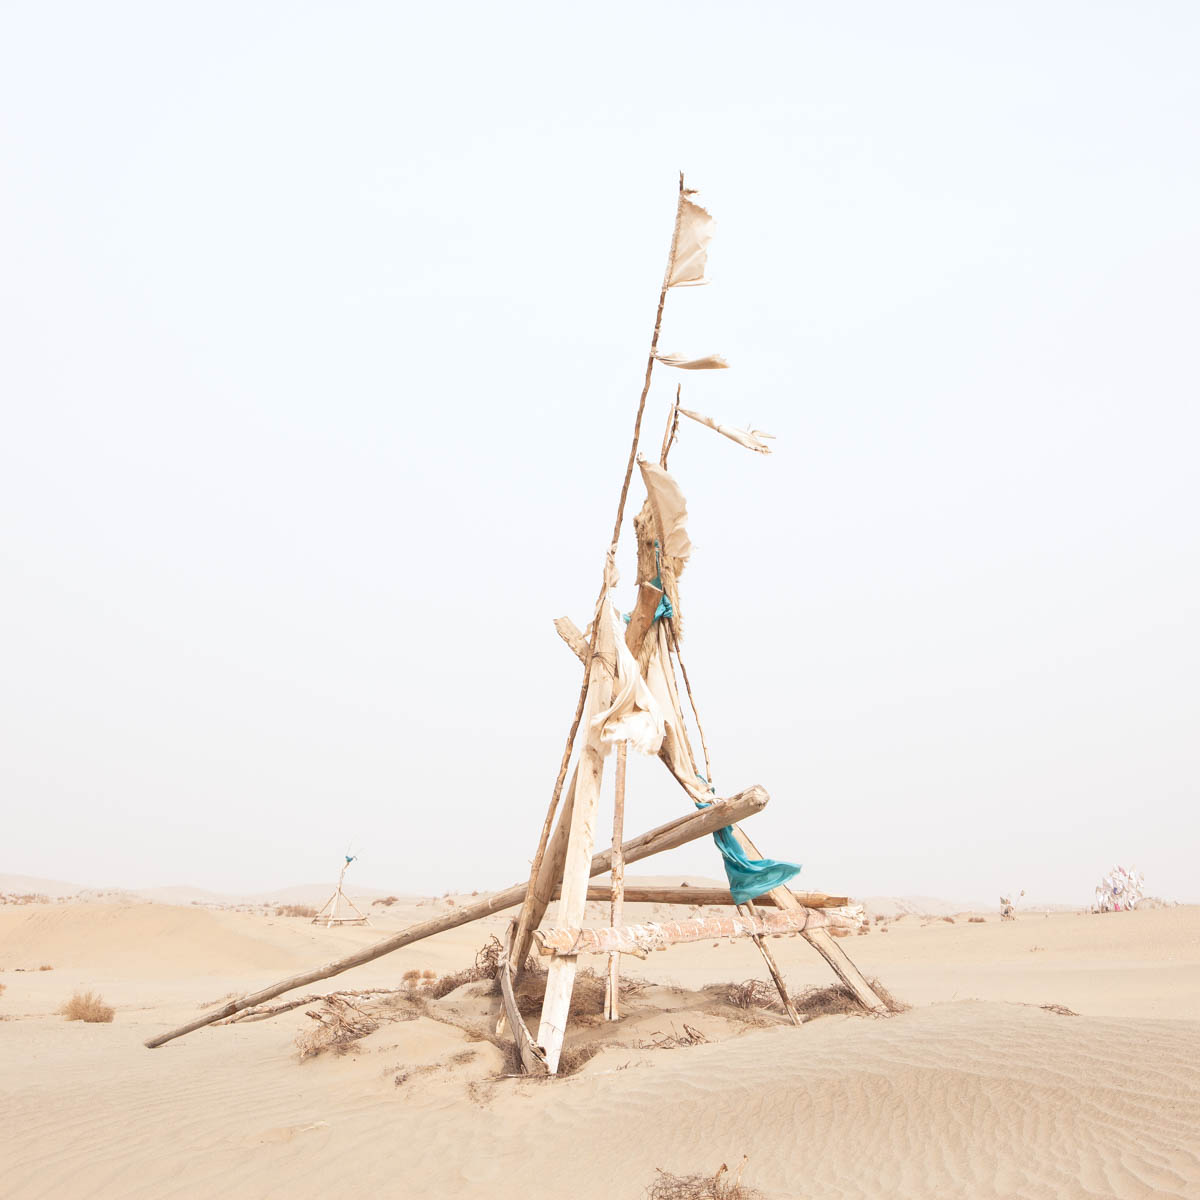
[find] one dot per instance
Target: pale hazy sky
(321, 332)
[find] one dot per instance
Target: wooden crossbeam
(704, 896)
(658, 935)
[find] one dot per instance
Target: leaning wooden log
(665, 837)
(560, 979)
(533, 1060)
(658, 935)
(772, 967)
(706, 897)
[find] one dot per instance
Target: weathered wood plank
(703, 896)
(657, 935)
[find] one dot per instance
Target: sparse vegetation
(45, 967)
(724, 1185)
(753, 993)
(669, 1041)
(976, 920)
(89, 1007)
(386, 901)
(339, 1025)
(295, 910)
(948, 920)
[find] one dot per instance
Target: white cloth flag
(689, 255)
(710, 362)
(750, 438)
(669, 507)
(634, 715)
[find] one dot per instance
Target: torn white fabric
(710, 362)
(634, 715)
(670, 508)
(750, 438)
(689, 255)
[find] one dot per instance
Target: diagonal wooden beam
(664, 837)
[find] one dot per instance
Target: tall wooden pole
(612, 992)
(524, 926)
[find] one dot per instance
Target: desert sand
(974, 1091)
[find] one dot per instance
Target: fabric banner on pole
(689, 255)
(670, 508)
(750, 438)
(710, 362)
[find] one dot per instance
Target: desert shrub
(87, 1006)
(386, 901)
(339, 1025)
(948, 920)
(428, 974)
(487, 964)
(411, 978)
(752, 993)
(573, 1058)
(587, 998)
(670, 1041)
(1, 989)
(838, 998)
(45, 967)
(721, 1186)
(295, 910)
(976, 920)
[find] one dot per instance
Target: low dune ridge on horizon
(1055, 1054)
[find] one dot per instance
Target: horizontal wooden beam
(665, 837)
(658, 935)
(707, 896)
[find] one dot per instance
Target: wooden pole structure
(665, 837)
(333, 902)
(612, 991)
(524, 924)
(673, 756)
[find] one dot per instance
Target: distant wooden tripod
(329, 910)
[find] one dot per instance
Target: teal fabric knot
(664, 608)
(748, 878)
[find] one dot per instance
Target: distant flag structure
(750, 438)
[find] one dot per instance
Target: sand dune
(986, 1096)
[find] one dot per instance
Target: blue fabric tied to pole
(665, 608)
(748, 878)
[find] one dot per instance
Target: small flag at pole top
(689, 255)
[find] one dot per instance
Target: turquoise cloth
(748, 878)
